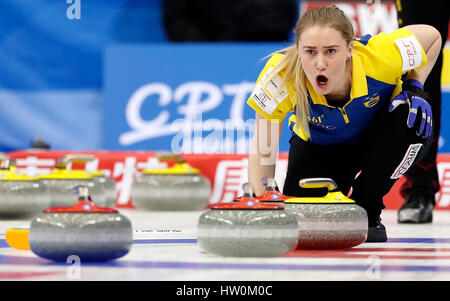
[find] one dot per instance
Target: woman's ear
(350, 50)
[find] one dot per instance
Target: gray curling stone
(330, 222)
(61, 181)
(90, 232)
(247, 228)
(20, 196)
(178, 188)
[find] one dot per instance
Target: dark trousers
(380, 151)
(423, 176)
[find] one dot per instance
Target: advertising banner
(226, 172)
(188, 98)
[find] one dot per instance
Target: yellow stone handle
(17, 239)
(166, 156)
(318, 183)
(75, 158)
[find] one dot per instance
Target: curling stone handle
(17, 238)
(7, 163)
(76, 158)
(270, 184)
(166, 156)
(80, 158)
(248, 191)
(82, 192)
(3, 156)
(318, 183)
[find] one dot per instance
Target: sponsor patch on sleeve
(267, 98)
(410, 51)
(264, 100)
(407, 161)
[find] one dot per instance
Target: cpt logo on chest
(411, 52)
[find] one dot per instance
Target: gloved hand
(415, 97)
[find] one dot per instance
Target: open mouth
(322, 81)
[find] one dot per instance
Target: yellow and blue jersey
(379, 62)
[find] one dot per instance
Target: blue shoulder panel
(364, 39)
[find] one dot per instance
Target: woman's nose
(320, 63)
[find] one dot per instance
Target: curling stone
(109, 187)
(90, 232)
(330, 222)
(20, 195)
(248, 228)
(180, 187)
(61, 181)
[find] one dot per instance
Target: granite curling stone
(21, 196)
(177, 188)
(90, 232)
(330, 222)
(61, 181)
(248, 228)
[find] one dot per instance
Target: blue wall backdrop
(51, 66)
(202, 88)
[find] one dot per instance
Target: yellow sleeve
(388, 56)
(408, 49)
(264, 100)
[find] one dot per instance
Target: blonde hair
(291, 64)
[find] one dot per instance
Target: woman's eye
(310, 51)
(331, 51)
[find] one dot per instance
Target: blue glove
(414, 96)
